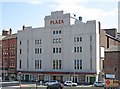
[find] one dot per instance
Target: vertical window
(40, 66)
(40, 41)
(59, 64)
(53, 50)
(56, 50)
(77, 39)
(53, 32)
(74, 49)
(80, 38)
(20, 51)
(40, 50)
(74, 39)
(56, 32)
(56, 64)
(59, 40)
(75, 64)
(53, 64)
(80, 49)
(77, 49)
(20, 64)
(20, 42)
(60, 32)
(53, 40)
(80, 64)
(59, 50)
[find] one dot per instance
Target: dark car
(55, 86)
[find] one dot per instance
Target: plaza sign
(56, 22)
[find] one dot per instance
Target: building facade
(9, 55)
(60, 50)
(1, 37)
(119, 16)
(110, 42)
(112, 61)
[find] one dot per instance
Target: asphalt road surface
(45, 88)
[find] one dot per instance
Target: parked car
(98, 84)
(55, 86)
(70, 83)
(51, 82)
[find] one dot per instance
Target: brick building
(111, 44)
(9, 55)
(112, 61)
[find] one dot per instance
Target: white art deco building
(60, 50)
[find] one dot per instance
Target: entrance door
(26, 77)
(54, 77)
(92, 80)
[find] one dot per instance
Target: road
(15, 85)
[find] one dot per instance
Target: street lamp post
(19, 77)
(73, 66)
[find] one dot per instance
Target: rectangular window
(75, 49)
(53, 32)
(60, 31)
(20, 51)
(80, 64)
(56, 32)
(53, 50)
(35, 50)
(80, 49)
(40, 64)
(53, 64)
(77, 39)
(60, 64)
(60, 40)
(59, 50)
(20, 42)
(74, 39)
(40, 50)
(40, 41)
(75, 64)
(56, 64)
(20, 64)
(54, 40)
(80, 38)
(56, 50)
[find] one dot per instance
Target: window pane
(53, 64)
(59, 64)
(77, 49)
(59, 50)
(59, 31)
(56, 50)
(80, 49)
(53, 50)
(56, 64)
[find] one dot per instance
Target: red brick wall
(112, 63)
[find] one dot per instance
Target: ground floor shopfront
(60, 76)
(9, 74)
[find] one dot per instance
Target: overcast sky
(16, 13)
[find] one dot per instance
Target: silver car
(51, 82)
(98, 84)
